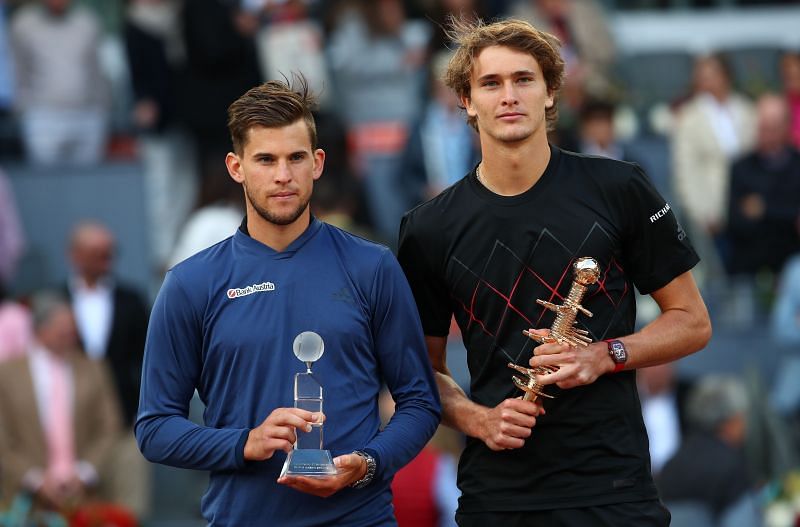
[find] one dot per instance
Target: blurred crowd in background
(112, 140)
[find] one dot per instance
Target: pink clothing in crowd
(16, 331)
(794, 111)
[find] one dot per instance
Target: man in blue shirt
(224, 322)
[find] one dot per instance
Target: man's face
(57, 7)
(277, 168)
(58, 333)
(93, 253)
(508, 95)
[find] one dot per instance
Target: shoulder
(84, 15)
(689, 111)
(742, 102)
(605, 171)
(27, 14)
(438, 208)
(355, 249)
(197, 275)
(11, 369)
(199, 264)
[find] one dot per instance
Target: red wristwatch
(618, 353)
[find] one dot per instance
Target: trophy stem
(563, 329)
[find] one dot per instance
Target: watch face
(618, 352)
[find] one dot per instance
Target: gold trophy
(563, 329)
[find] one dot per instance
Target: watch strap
(371, 467)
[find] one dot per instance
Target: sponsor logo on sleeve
(659, 214)
(237, 292)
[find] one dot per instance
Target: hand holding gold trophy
(563, 329)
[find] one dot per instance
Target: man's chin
(281, 218)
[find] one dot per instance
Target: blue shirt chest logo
(236, 292)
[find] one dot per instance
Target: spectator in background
(12, 241)
(764, 199)
(785, 331)
(377, 58)
(289, 41)
(587, 45)
(790, 75)
(442, 10)
(221, 65)
(713, 127)
(157, 61)
(15, 329)
(6, 71)
(786, 310)
(662, 405)
(595, 134)
(112, 319)
(710, 468)
(442, 147)
(61, 455)
(211, 223)
(61, 93)
(336, 203)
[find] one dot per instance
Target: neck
(91, 282)
(276, 237)
(509, 169)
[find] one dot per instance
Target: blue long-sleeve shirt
(224, 322)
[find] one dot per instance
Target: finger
(512, 430)
(550, 360)
(506, 443)
(348, 462)
(521, 406)
(294, 417)
(532, 333)
(515, 418)
(272, 445)
(280, 432)
(324, 486)
(551, 348)
(559, 376)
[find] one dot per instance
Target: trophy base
(309, 462)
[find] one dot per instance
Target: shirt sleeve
(656, 248)
(403, 360)
(428, 287)
(171, 370)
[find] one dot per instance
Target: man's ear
(319, 162)
(234, 165)
(550, 101)
(466, 102)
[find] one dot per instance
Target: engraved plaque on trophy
(308, 458)
(563, 329)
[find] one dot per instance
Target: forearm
(458, 411)
(176, 441)
(411, 427)
(674, 334)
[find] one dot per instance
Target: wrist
(370, 466)
(618, 354)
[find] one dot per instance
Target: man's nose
(509, 94)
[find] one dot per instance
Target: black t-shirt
(486, 259)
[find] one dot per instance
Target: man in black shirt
(507, 234)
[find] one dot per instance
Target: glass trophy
(308, 458)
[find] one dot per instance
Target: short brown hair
(473, 37)
(274, 104)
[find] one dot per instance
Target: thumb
(346, 461)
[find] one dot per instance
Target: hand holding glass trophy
(308, 457)
(563, 330)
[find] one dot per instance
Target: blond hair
(472, 37)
